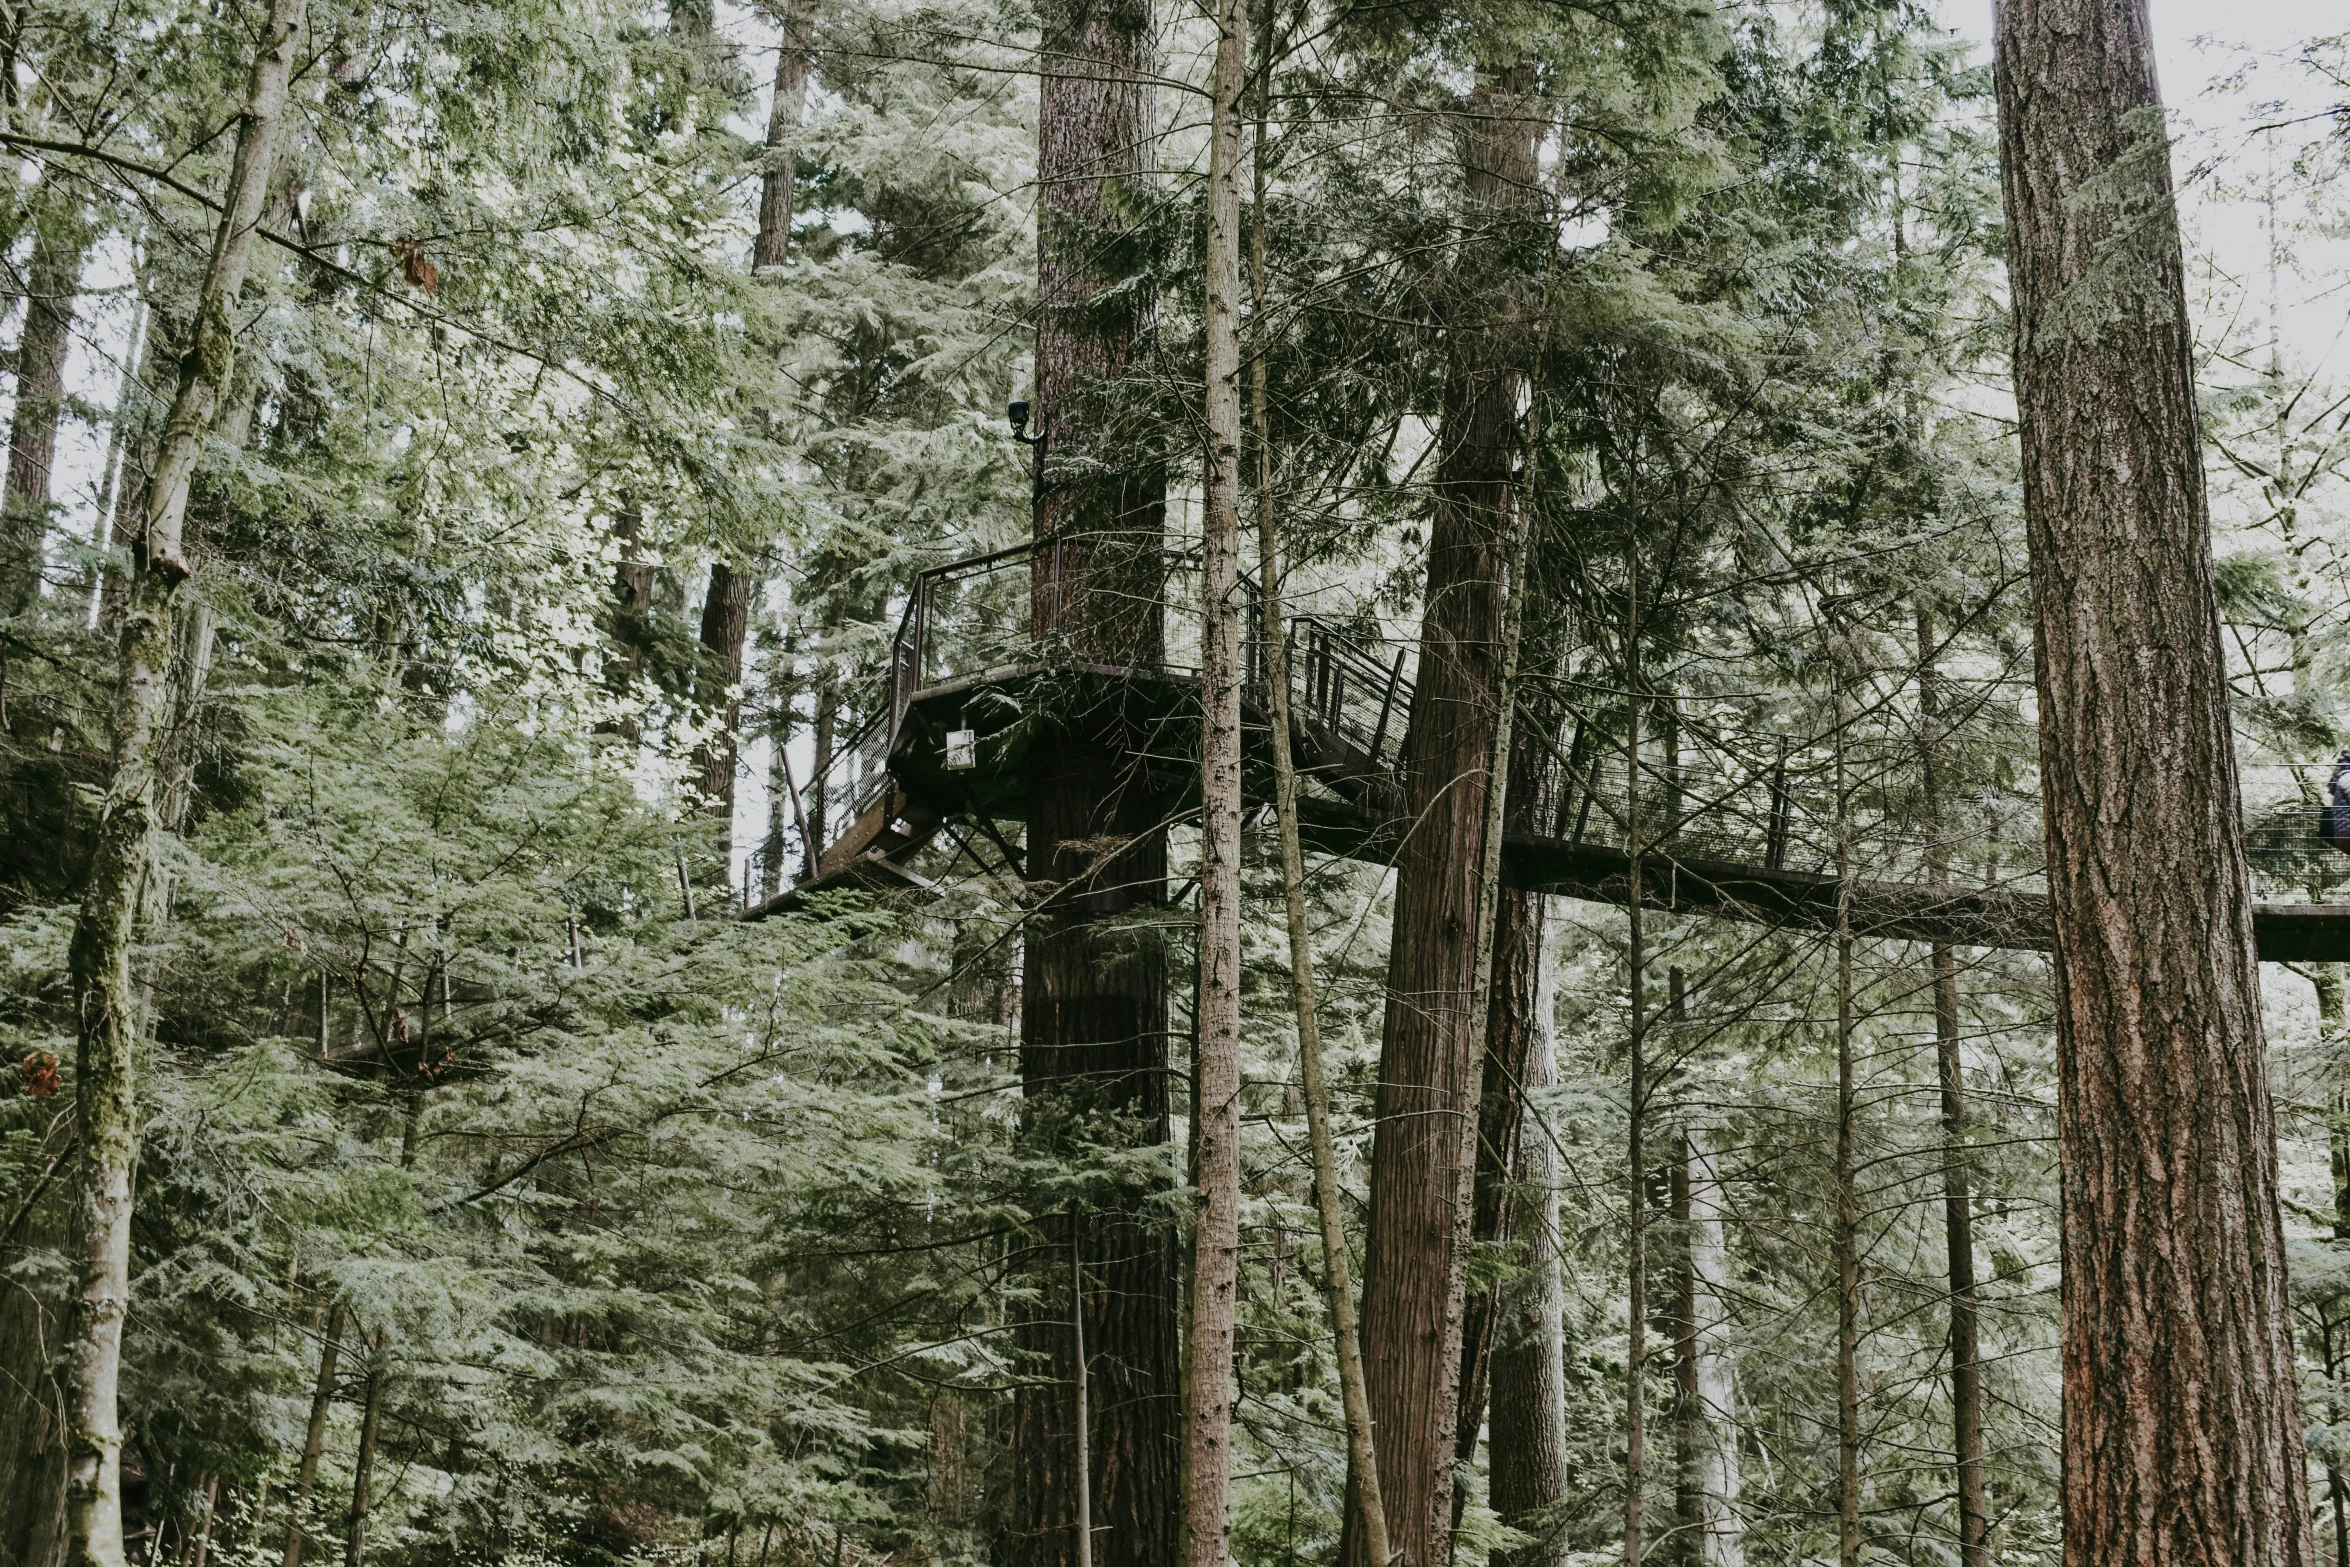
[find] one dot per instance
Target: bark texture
(1528, 1474)
(1515, 1027)
(105, 1003)
(1411, 1326)
(1710, 1461)
(1093, 1002)
(1215, 1271)
(772, 248)
(363, 1462)
(2182, 1426)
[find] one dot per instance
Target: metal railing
(1742, 797)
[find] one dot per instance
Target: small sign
(962, 750)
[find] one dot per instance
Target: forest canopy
(1081, 784)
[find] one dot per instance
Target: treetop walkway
(1745, 823)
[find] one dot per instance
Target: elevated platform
(891, 790)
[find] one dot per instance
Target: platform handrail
(1741, 792)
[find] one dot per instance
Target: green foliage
(647, 1237)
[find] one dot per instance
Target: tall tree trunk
(363, 1463)
(1635, 1117)
(53, 282)
(1215, 1270)
(770, 247)
(122, 845)
(1529, 1476)
(1714, 1418)
(1421, 1145)
(322, 1400)
(2182, 1423)
(204, 1527)
(1847, 1199)
(1484, 990)
(726, 622)
(784, 809)
(773, 246)
(113, 470)
(1093, 994)
(822, 731)
(142, 405)
(1958, 1214)
(1513, 1030)
(1688, 1490)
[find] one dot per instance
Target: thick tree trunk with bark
(1411, 1326)
(1093, 1002)
(105, 1003)
(2182, 1424)
(1514, 1028)
(51, 285)
(1528, 1473)
(1215, 1272)
(1512, 1032)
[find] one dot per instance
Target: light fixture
(962, 750)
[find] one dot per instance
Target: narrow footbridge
(1741, 826)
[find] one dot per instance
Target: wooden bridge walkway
(946, 751)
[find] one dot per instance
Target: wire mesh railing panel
(974, 619)
(2290, 859)
(857, 775)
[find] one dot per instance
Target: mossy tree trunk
(1429, 1072)
(105, 1005)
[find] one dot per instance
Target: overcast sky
(2224, 68)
